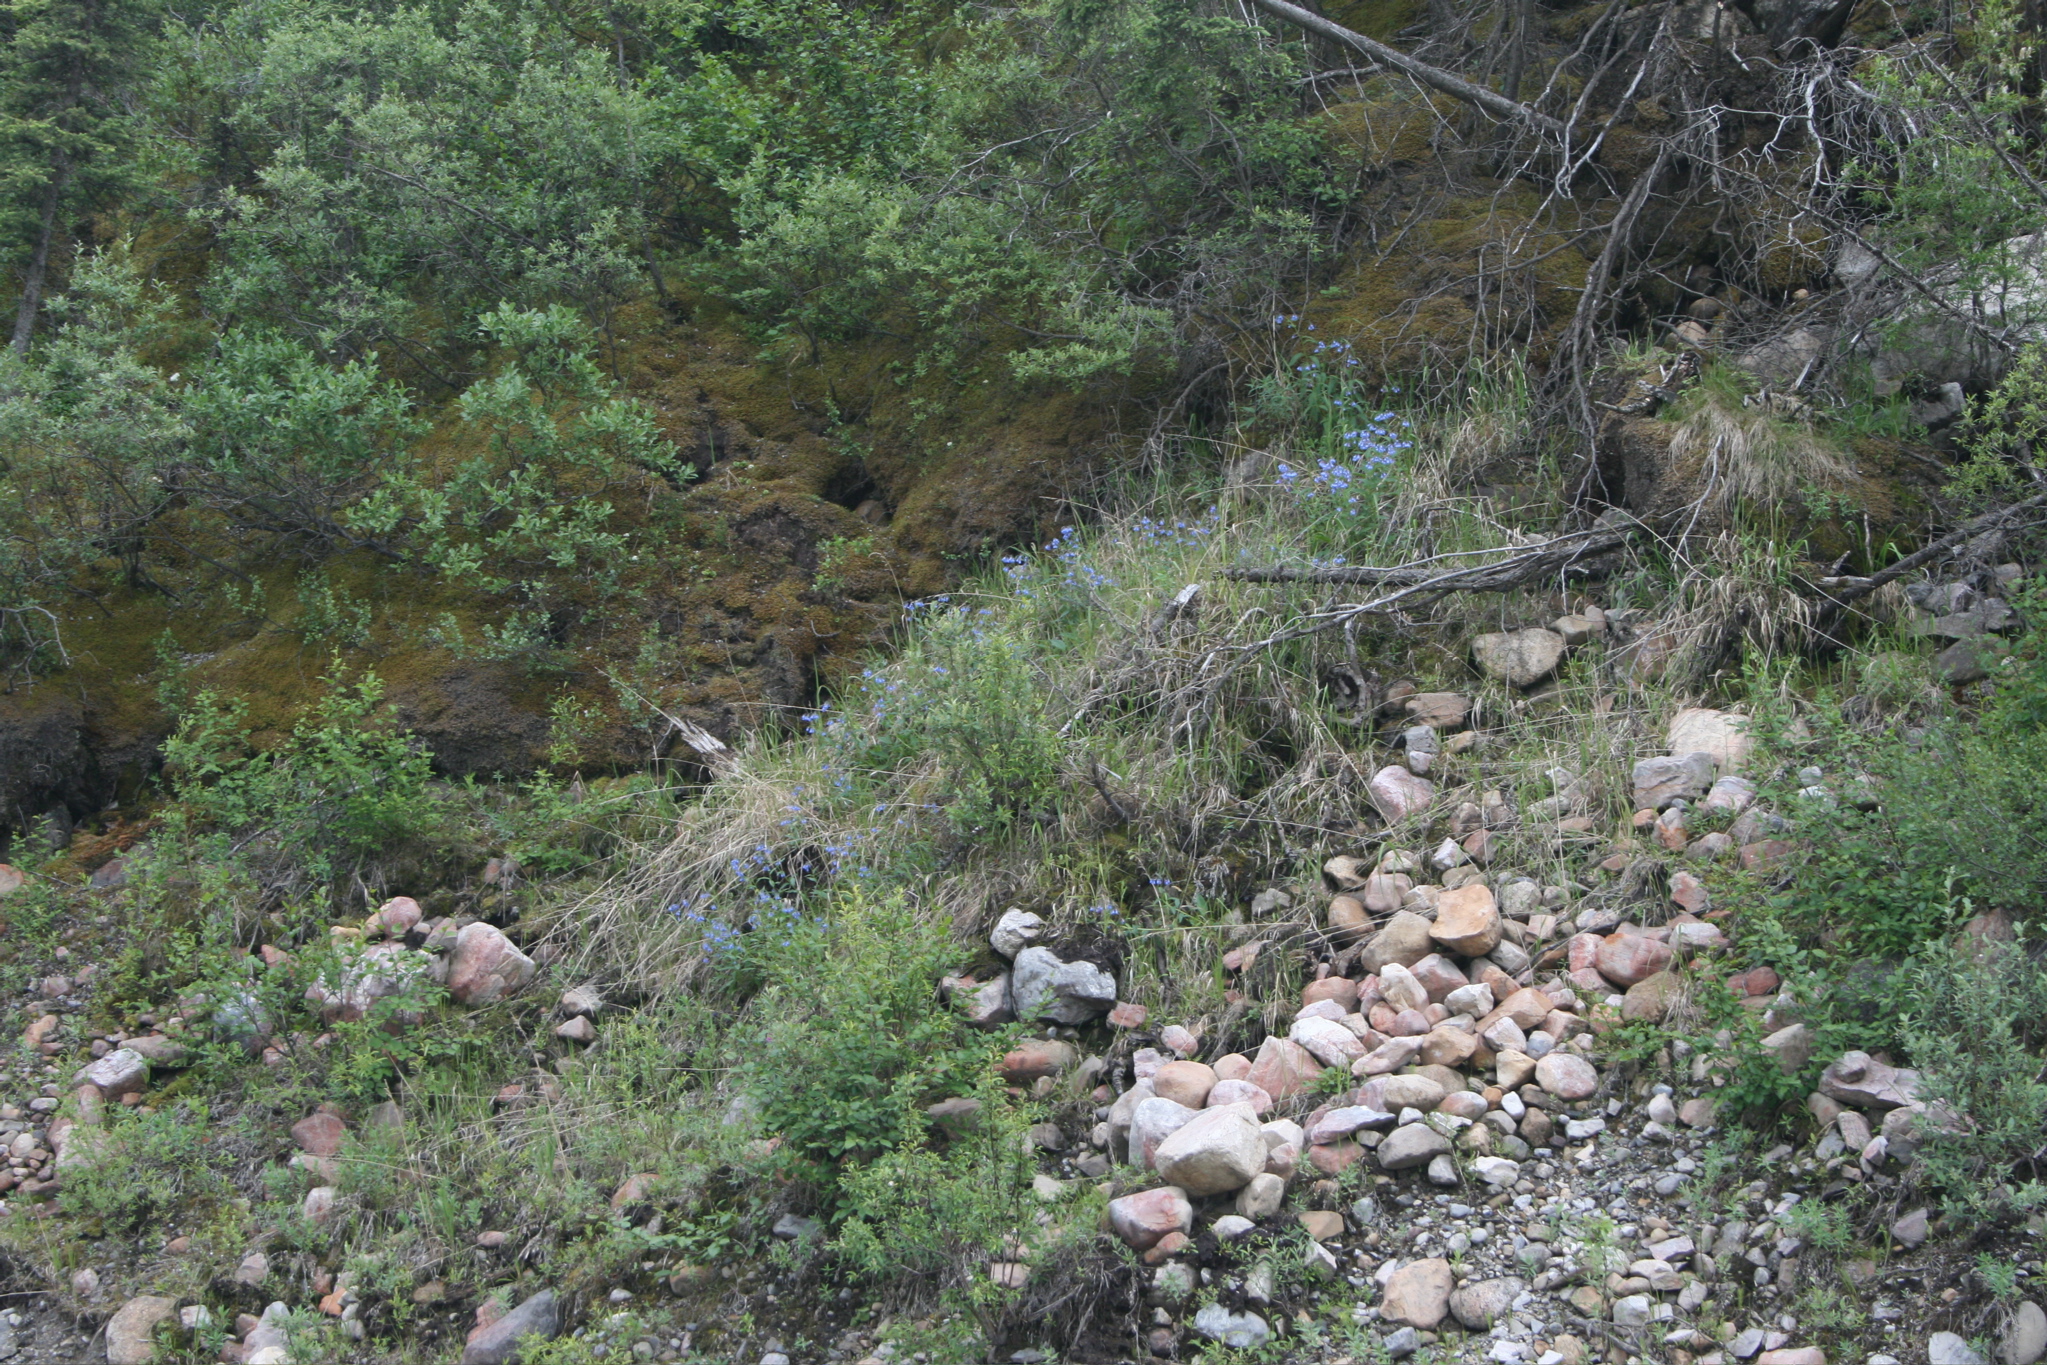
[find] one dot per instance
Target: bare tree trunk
(1517, 48)
(39, 261)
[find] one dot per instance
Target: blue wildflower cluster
(1059, 567)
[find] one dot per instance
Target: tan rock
(1418, 1294)
(1404, 939)
(1467, 921)
(1652, 997)
(1722, 734)
(1348, 918)
(131, 1332)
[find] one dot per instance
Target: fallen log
(1435, 77)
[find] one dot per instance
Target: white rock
(1015, 931)
(1217, 1151)
(1238, 1331)
(1153, 1121)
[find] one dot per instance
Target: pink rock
(1143, 1219)
(1233, 1067)
(1765, 854)
(1238, 1092)
(1626, 959)
(1795, 1355)
(319, 1133)
(1399, 795)
(1583, 950)
(1342, 990)
(485, 967)
(1590, 981)
(1180, 1040)
(1283, 1069)
(1035, 1057)
(1128, 1016)
(395, 917)
(1439, 976)
(1689, 893)
(1334, 1158)
(11, 880)
(1567, 1076)
(1239, 959)
(1409, 1024)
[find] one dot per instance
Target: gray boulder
(1043, 987)
(498, 1344)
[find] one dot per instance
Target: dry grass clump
(1746, 459)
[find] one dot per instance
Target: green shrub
(147, 1170)
(1974, 1023)
(846, 1059)
(348, 782)
(1960, 816)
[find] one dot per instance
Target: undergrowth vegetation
(1069, 731)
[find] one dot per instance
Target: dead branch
(1844, 589)
(1554, 556)
(1492, 102)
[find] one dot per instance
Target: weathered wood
(1435, 77)
(1522, 567)
(1844, 589)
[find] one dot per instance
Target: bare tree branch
(1491, 101)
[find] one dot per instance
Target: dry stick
(1842, 591)
(1494, 103)
(1223, 662)
(1496, 577)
